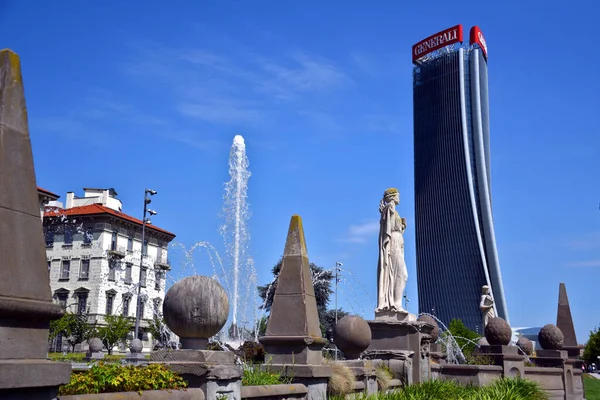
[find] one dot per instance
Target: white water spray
(236, 214)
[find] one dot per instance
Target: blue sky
(140, 94)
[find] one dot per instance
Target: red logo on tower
(437, 41)
(476, 37)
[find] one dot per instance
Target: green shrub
(475, 358)
(434, 389)
(106, 378)
(512, 389)
(253, 376)
(251, 352)
(214, 346)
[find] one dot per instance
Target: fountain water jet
(234, 229)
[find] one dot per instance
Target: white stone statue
(391, 268)
(486, 305)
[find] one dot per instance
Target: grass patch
(501, 389)
(256, 376)
(113, 357)
(341, 381)
(383, 375)
(591, 387)
(72, 357)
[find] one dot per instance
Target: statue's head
(391, 194)
(485, 289)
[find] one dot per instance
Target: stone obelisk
(293, 333)
(293, 338)
(564, 322)
(26, 307)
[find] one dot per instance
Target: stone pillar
(551, 339)
(507, 357)
(364, 372)
(94, 352)
(215, 372)
(135, 355)
(26, 307)
(293, 338)
(498, 334)
(436, 354)
(560, 359)
(195, 309)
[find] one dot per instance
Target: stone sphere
(196, 307)
(95, 345)
(551, 337)
(498, 332)
(352, 335)
(526, 345)
(435, 334)
(136, 346)
(482, 342)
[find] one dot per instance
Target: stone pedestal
(365, 373)
(508, 357)
(314, 377)
(26, 307)
(294, 349)
(93, 356)
(550, 358)
(395, 316)
(560, 359)
(573, 351)
(403, 344)
(136, 358)
(215, 372)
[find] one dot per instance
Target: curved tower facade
(455, 242)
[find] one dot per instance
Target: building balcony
(163, 263)
(119, 252)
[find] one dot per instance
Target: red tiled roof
(98, 209)
(47, 192)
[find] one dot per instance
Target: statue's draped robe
(391, 270)
(487, 301)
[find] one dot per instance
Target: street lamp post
(147, 200)
(337, 279)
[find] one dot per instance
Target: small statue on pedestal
(486, 305)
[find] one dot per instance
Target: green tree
(592, 347)
(74, 328)
(262, 326)
(115, 331)
(321, 281)
(464, 336)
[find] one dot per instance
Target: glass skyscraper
(455, 242)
